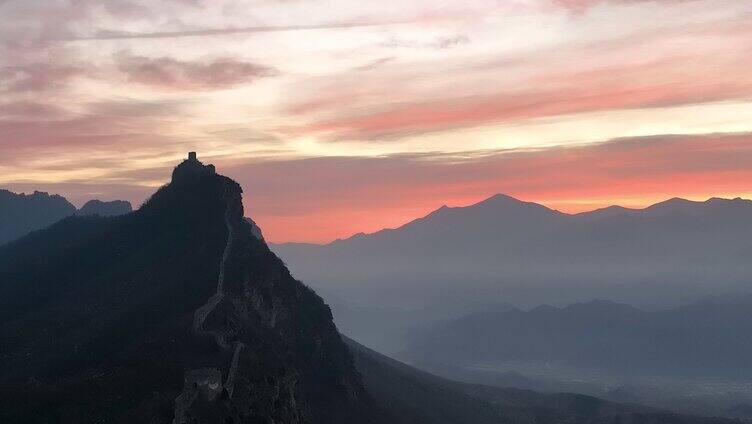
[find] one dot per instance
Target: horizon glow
(342, 117)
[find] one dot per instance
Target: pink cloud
(34, 133)
(36, 77)
(660, 65)
(586, 92)
(640, 71)
(580, 5)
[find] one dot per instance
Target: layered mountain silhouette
(179, 313)
(526, 253)
(705, 340)
(21, 214)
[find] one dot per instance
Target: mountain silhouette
(176, 312)
(179, 313)
(21, 214)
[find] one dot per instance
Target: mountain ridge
(501, 199)
(507, 244)
(601, 337)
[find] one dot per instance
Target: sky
(348, 116)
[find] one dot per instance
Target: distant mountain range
(707, 340)
(22, 213)
(507, 250)
(691, 358)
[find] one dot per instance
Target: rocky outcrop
(255, 229)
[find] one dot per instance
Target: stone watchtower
(192, 168)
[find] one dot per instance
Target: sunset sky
(349, 116)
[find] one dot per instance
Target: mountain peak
(196, 194)
(192, 168)
(511, 206)
(672, 202)
(500, 198)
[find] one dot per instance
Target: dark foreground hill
(174, 313)
(21, 214)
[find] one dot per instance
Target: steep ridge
(177, 312)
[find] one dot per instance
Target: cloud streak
(169, 73)
(664, 68)
(103, 35)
